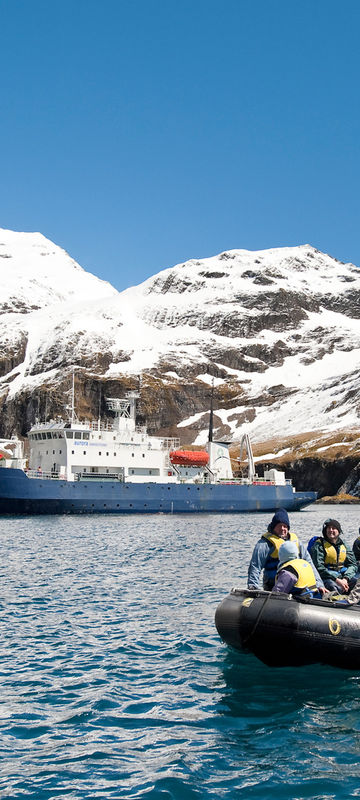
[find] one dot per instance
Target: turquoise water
(114, 683)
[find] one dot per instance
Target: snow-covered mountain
(277, 330)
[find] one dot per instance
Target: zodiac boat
(283, 631)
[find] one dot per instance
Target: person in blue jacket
(295, 575)
(265, 557)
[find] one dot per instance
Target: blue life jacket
(311, 542)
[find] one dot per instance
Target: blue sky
(138, 134)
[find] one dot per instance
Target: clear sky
(138, 134)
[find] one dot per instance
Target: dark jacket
(356, 548)
(331, 572)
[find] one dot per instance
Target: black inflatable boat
(283, 631)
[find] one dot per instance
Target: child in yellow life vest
(294, 575)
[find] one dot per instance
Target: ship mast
(211, 420)
(70, 408)
(99, 410)
(73, 399)
(246, 444)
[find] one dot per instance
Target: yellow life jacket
(277, 541)
(333, 558)
(272, 561)
(304, 571)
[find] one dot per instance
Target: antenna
(73, 398)
(99, 412)
(211, 420)
(71, 408)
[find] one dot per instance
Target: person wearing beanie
(265, 557)
(295, 575)
(356, 549)
(335, 562)
(280, 516)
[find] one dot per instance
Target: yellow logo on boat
(247, 602)
(334, 626)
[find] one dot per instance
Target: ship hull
(22, 495)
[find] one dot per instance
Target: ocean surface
(115, 684)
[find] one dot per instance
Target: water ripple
(114, 683)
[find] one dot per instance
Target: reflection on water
(114, 683)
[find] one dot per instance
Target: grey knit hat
(288, 551)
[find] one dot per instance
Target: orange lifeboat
(189, 458)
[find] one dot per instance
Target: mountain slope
(277, 331)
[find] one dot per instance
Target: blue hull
(22, 495)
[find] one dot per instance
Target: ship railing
(99, 476)
(255, 481)
(170, 443)
(94, 425)
(37, 473)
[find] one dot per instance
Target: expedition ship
(117, 467)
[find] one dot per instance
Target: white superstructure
(119, 450)
(83, 450)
